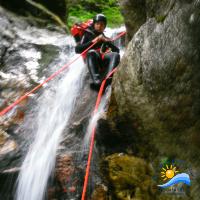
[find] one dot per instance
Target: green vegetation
(160, 18)
(87, 9)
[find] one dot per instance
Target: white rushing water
(95, 117)
(106, 96)
(54, 109)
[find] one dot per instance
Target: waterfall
(54, 108)
(94, 118)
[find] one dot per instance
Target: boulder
(155, 100)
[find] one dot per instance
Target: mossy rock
(128, 177)
(3, 137)
(160, 18)
(100, 193)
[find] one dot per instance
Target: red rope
(5, 110)
(100, 93)
(93, 135)
(94, 128)
(119, 35)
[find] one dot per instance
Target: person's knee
(90, 56)
(91, 52)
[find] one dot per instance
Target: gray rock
(156, 88)
(27, 55)
(133, 17)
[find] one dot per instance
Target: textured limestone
(155, 98)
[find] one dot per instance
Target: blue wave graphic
(179, 178)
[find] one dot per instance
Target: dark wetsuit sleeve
(85, 42)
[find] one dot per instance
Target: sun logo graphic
(168, 172)
(173, 177)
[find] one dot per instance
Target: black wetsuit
(98, 67)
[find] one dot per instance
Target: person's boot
(96, 82)
(96, 79)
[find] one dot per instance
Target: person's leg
(93, 61)
(110, 61)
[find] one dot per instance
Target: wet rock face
(25, 56)
(8, 149)
(31, 55)
(156, 88)
(26, 53)
(158, 75)
(68, 179)
(22, 61)
(24, 8)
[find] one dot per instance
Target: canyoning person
(104, 56)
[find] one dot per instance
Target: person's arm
(84, 44)
(107, 45)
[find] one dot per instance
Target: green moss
(114, 16)
(160, 18)
(129, 177)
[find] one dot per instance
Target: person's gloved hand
(101, 38)
(105, 47)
